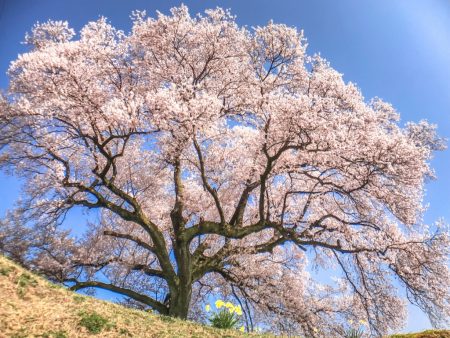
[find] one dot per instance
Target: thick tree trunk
(181, 290)
(180, 299)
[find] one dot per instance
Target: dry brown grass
(425, 334)
(30, 306)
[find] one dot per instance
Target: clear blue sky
(398, 50)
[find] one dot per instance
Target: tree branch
(161, 308)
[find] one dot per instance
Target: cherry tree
(219, 160)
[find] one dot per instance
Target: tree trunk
(180, 299)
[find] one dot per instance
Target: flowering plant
(226, 315)
(357, 330)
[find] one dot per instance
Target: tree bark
(180, 299)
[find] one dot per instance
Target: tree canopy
(220, 160)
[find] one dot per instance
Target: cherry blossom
(220, 160)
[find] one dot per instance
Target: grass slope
(30, 306)
(424, 334)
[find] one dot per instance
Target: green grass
(52, 334)
(24, 281)
(93, 322)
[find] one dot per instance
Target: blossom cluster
(219, 158)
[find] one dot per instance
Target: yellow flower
(363, 322)
(242, 328)
(238, 310)
(229, 305)
(231, 309)
(219, 303)
(208, 308)
(350, 322)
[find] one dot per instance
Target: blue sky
(398, 50)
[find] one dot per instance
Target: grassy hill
(424, 334)
(30, 306)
